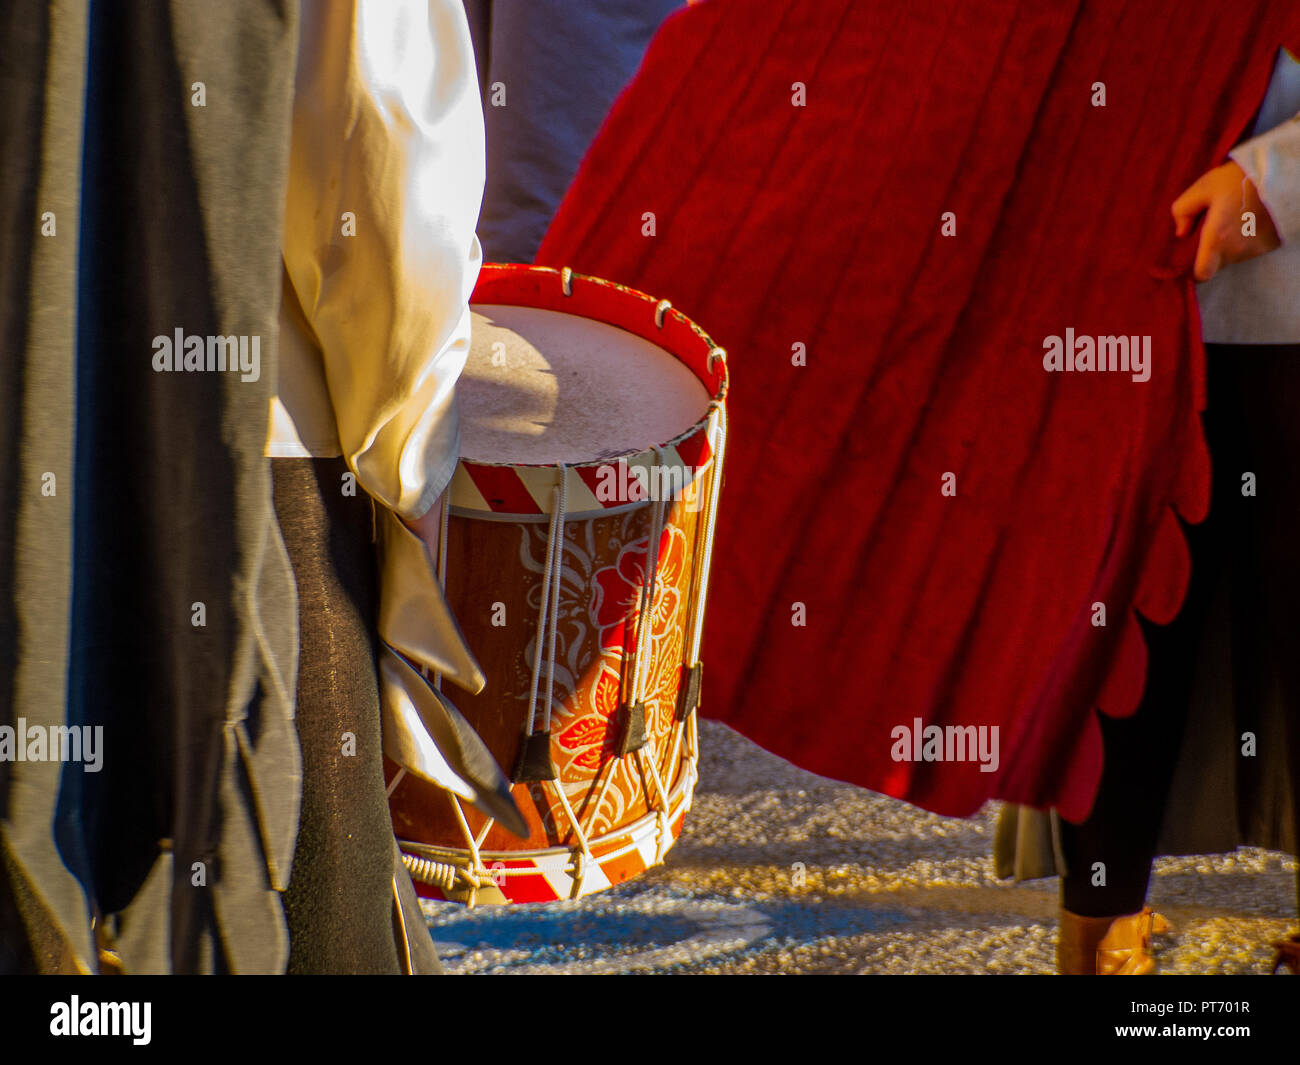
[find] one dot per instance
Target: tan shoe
(1107, 946)
(1288, 955)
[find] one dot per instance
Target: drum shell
(494, 586)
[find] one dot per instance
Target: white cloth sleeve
(385, 182)
(1272, 162)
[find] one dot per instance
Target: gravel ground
(781, 871)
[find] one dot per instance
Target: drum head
(543, 387)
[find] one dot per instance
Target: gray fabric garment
(168, 217)
(561, 65)
(42, 70)
(1027, 843)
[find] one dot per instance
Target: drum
(593, 425)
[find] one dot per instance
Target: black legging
(1141, 753)
(1252, 424)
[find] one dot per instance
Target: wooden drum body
(592, 418)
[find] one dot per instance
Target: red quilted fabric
(778, 224)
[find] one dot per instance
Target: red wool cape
(800, 159)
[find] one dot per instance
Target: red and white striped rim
(518, 491)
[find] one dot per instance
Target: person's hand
(1224, 194)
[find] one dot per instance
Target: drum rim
(619, 306)
(614, 844)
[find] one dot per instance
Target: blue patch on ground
(540, 928)
(803, 922)
(606, 925)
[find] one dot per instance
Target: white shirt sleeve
(1272, 161)
(1254, 302)
(385, 183)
